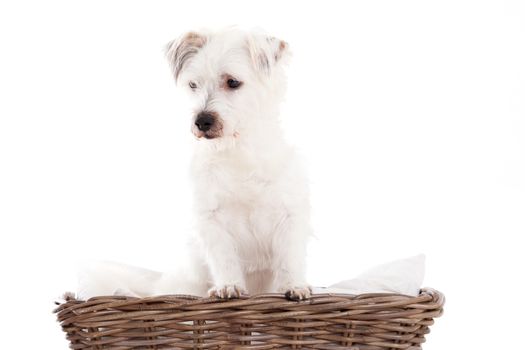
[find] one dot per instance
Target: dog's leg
(223, 262)
(290, 254)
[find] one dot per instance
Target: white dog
(251, 197)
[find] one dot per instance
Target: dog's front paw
(229, 291)
(298, 293)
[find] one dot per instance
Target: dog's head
(235, 79)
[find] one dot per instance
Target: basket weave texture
(266, 321)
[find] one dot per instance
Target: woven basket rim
(437, 297)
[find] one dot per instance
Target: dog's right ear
(181, 50)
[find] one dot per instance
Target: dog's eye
(192, 85)
(233, 84)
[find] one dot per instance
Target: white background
(410, 116)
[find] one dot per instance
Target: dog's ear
(181, 50)
(266, 52)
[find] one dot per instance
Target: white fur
(251, 198)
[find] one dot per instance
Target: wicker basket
(326, 321)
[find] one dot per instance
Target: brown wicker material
(326, 321)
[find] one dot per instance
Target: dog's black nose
(204, 121)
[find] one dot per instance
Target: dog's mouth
(208, 135)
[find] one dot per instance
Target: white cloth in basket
(403, 276)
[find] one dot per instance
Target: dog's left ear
(267, 52)
(181, 50)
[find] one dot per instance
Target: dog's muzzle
(207, 124)
(205, 121)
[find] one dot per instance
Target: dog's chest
(239, 181)
(243, 198)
